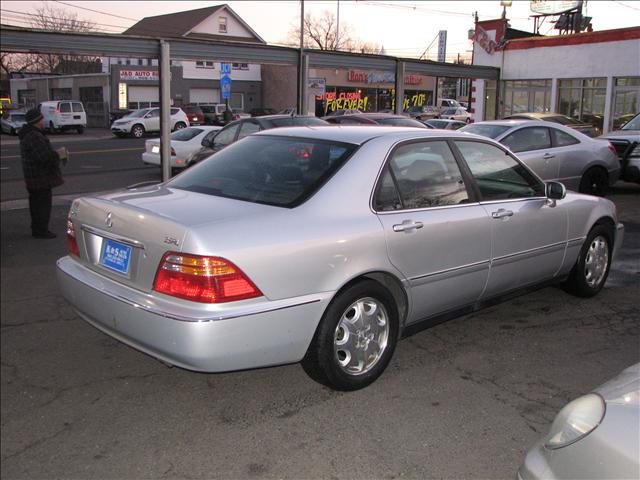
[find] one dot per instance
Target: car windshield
(450, 111)
(437, 123)
(185, 134)
(279, 171)
(137, 113)
(633, 124)
(491, 131)
(296, 121)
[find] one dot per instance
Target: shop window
(240, 66)
(583, 99)
(204, 64)
(626, 101)
(222, 24)
(140, 61)
(490, 98)
(521, 96)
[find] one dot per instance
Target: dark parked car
(627, 144)
(194, 113)
(216, 141)
(586, 128)
(375, 119)
(261, 112)
(118, 114)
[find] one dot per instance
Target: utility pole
(301, 60)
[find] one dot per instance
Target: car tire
(137, 131)
(360, 325)
(180, 126)
(595, 181)
(52, 127)
(591, 270)
(468, 120)
(80, 130)
(12, 131)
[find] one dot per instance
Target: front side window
(247, 128)
(527, 139)
(426, 175)
(227, 135)
(279, 171)
(497, 174)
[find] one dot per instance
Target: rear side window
(562, 139)
(77, 107)
(297, 121)
(247, 128)
(426, 175)
(526, 139)
(174, 111)
(279, 171)
(65, 107)
(497, 174)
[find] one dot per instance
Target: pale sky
(404, 28)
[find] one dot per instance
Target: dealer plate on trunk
(155, 149)
(115, 256)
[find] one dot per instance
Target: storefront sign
(316, 86)
(360, 76)
(348, 100)
(552, 7)
(122, 96)
(442, 46)
(139, 75)
(482, 38)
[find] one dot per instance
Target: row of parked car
(552, 150)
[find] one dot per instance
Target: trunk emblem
(108, 222)
(171, 241)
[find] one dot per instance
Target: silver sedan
(594, 437)
(556, 152)
(325, 245)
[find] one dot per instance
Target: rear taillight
(72, 243)
(613, 149)
(202, 279)
(236, 116)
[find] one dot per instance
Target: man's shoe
(46, 234)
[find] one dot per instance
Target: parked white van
(63, 115)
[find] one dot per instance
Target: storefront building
(369, 90)
(592, 76)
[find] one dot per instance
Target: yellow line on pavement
(73, 152)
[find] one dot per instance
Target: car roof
(358, 134)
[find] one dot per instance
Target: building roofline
(619, 34)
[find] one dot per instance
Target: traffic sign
(225, 87)
(225, 68)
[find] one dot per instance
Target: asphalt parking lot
(464, 399)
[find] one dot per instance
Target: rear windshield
(491, 131)
(17, 117)
(279, 171)
(185, 134)
(296, 121)
(562, 120)
(399, 122)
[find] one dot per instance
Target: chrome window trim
(440, 207)
(512, 200)
(112, 236)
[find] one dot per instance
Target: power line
(96, 11)
(29, 17)
(628, 6)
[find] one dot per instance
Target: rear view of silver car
(325, 245)
(594, 437)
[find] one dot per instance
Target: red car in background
(194, 114)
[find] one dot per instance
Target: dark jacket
(40, 162)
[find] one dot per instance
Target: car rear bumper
(210, 338)
(151, 158)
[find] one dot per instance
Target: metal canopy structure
(25, 40)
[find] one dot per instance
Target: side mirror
(555, 190)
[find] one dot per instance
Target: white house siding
(211, 24)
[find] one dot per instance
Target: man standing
(41, 167)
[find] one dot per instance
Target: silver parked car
(325, 245)
(595, 437)
(556, 152)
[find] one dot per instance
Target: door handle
(502, 213)
(548, 156)
(407, 225)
